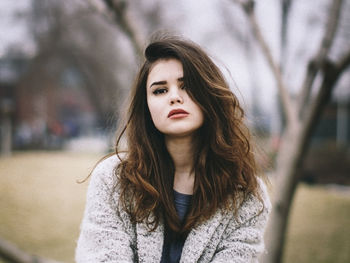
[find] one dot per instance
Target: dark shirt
(174, 243)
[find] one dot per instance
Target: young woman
(186, 190)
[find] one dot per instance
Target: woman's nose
(175, 97)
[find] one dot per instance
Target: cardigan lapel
(199, 237)
(149, 244)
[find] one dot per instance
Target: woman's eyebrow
(163, 82)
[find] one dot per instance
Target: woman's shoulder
(255, 205)
(106, 163)
(105, 170)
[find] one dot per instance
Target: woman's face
(173, 112)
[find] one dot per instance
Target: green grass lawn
(41, 208)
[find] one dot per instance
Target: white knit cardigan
(107, 235)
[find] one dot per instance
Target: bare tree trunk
(283, 194)
(6, 109)
(6, 136)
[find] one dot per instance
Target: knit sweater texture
(107, 234)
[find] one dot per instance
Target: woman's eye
(159, 91)
(183, 87)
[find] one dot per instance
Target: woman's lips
(177, 113)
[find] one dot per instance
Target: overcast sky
(13, 25)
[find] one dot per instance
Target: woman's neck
(181, 152)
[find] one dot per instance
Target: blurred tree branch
(332, 72)
(316, 63)
(13, 254)
(286, 5)
(118, 12)
(287, 103)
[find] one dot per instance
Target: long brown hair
(224, 164)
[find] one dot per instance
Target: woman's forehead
(164, 69)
